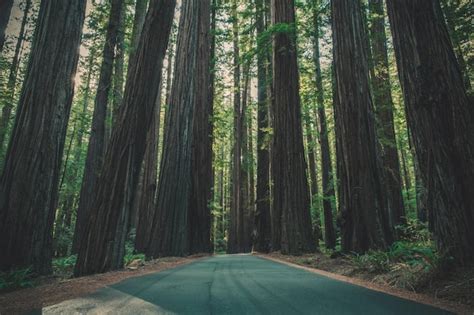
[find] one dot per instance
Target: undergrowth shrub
(21, 278)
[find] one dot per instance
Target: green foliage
(21, 278)
(130, 254)
(414, 251)
(64, 264)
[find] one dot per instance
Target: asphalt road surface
(237, 284)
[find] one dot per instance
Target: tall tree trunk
(361, 200)
(97, 140)
(291, 207)
(11, 85)
(5, 10)
(329, 195)
(245, 228)
(29, 183)
(138, 24)
(262, 215)
(199, 212)
(146, 203)
(384, 114)
(313, 175)
(170, 235)
(441, 120)
(102, 247)
(235, 207)
(450, 12)
(119, 63)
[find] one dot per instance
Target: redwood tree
(102, 247)
(441, 119)
(361, 197)
(292, 231)
(29, 183)
(170, 234)
(262, 215)
(328, 192)
(199, 212)
(97, 139)
(382, 96)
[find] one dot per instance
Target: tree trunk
(441, 119)
(146, 203)
(138, 24)
(245, 215)
(102, 247)
(292, 231)
(361, 200)
(199, 212)
(262, 215)
(29, 183)
(313, 174)
(119, 63)
(170, 235)
(5, 10)
(384, 114)
(235, 207)
(11, 85)
(97, 140)
(329, 195)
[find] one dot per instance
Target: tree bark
(441, 120)
(361, 201)
(29, 183)
(199, 212)
(119, 63)
(5, 10)
(329, 195)
(262, 215)
(233, 245)
(384, 114)
(97, 141)
(292, 232)
(170, 235)
(146, 203)
(102, 247)
(12, 78)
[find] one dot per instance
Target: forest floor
(50, 290)
(453, 289)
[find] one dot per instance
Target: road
(237, 284)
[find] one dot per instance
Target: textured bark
(29, 183)
(138, 24)
(235, 228)
(199, 213)
(262, 215)
(313, 175)
(119, 63)
(7, 109)
(441, 119)
(292, 231)
(328, 192)
(170, 235)
(102, 247)
(246, 216)
(97, 141)
(382, 96)
(450, 8)
(5, 10)
(146, 203)
(361, 200)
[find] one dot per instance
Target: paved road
(237, 284)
